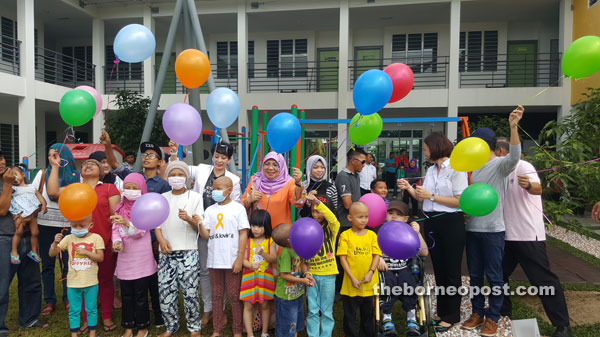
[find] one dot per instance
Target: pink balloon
(94, 94)
(377, 209)
(182, 123)
(402, 80)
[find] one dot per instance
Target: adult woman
(440, 192)
(273, 190)
(53, 223)
(412, 175)
(374, 162)
(108, 198)
(109, 177)
(317, 180)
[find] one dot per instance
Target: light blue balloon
(134, 43)
(372, 91)
(283, 132)
(223, 107)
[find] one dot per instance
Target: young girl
(258, 283)
(25, 202)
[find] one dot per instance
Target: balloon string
(254, 156)
(187, 94)
(537, 208)
(115, 62)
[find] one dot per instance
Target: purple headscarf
(270, 186)
(412, 169)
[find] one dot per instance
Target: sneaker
(473, 322)
(388, 326)
(489, 328)
(562, 331)
(413, 328)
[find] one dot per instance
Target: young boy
(85, 251)
(359, 256)
(289, 307)
(397, 273)
(379, 187)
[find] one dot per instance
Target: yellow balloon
(469, 154)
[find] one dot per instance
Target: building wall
(585, 22)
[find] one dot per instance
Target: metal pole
(160, 78)
(243, 163)
(295, 149)
(254, 138)
(302, 133)
(265, 124)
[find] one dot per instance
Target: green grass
(577, 227)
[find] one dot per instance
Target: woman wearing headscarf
(53, 223)
(317, 179)
(273, 190)
(412, 176)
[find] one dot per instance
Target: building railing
(60, 69)
(290, 77)
(517, 70)
(223, 78)
(10, 55)
(123, 77)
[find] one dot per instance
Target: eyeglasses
(88, 163)
(149, 155)
(360, 161)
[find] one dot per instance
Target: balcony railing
(121, 78)
(539, 70)
(290, 77)
(223, 78)
(10, 57)
(61, 69)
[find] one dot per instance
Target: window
(272, 58)
(250, 59)
(9, 39)
(77, 61)
(592, 2)
(478, 51)
(227, 58)
(419, 51)
(9, 143)
(124, 70)
(290, 55)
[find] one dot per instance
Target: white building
(469, 57)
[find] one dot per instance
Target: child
(258, 283)
(289, 306)
(323, 269)
(25, 202)
(225, 226)
(396, 273)
(85, 251)
(359, 256)
(380, 188)
(135, 262)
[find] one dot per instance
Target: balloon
(478, 199)
(94, 94)
(377, 209)
(306, 237)
(182, 123)
(469, 154)
(77, 201)
(398, 240)
(192, 68)
(134, 43)
(582, 58)
(77, 107)
(402, 78)
(283, 132)
(149, 211)
(223, 107)
(366, 130)
(372, 91)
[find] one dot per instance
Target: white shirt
(201, 173)
(448, 183)
(367, 175)
(179, 233)
(224, 223)
(54, 217)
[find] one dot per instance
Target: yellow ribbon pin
(219, 219)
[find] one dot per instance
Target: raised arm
(110, 156)
(509, 163)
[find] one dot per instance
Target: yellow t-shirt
(359, 251)
(83, 272)
(324, 262)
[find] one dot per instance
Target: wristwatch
(432, 197)
(528, 186)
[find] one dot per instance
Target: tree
(126, 125)
(497, 123)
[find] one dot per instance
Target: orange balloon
(77, 201)
(192, 68)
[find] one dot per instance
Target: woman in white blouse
(440, 192)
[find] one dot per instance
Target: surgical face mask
(79, 232)
(132, 195)
(218, 196)
(177, 183)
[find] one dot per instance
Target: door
(522, 64)
(327, 70)
(170, 82)
(366, 58)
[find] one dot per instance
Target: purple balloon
(182, 123)
(377, 209)
(149, 211)
(306, 237)
(398, 240)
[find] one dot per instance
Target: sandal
(109, 327)
(48, 309)
(15, 259)
(34, 257)
(84, 330)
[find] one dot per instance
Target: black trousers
(448, 232)
(154, 297)
(413, 202)
(365, 305)
(399, 278)
(532, 257)
(134, 295)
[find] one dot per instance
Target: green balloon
(77, 107)
(366, 130)
(478, 199)
(582, 58)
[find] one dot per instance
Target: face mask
(177, 183)
(79, 232)
(132, 195)
(218, 196)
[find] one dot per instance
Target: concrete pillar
(25, 29)
(40, 134)
(242, 74)
(98, 58)
(148, 69)
(564, 39)
(453, 74)
(343, 84)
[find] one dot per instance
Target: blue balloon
(223, 107)
(372, 91)
(283, 132)
(134, 43)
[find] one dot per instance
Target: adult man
(389, 171)
(367, 175)
(485, 234)
(348, 185)
(525, 241)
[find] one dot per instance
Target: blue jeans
(290, 316)
(90, 297)
(484, 255)
(29, 287)
(46, 238)
(320, 298)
